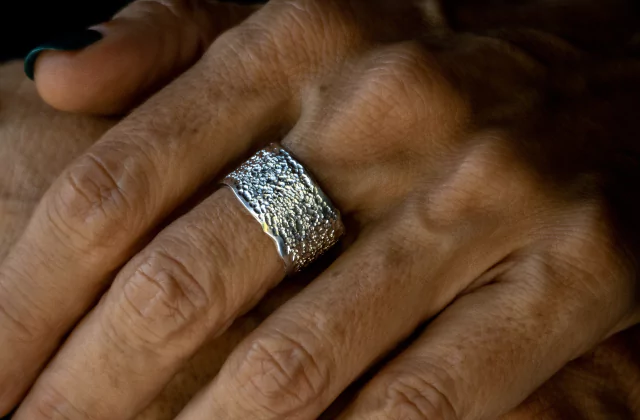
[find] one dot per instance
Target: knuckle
(264, 52)
(397, 94)
(405, 60)
(91, 203)
(283, 375)
(410, 69)
(187, 15)
(163, 298)
(280, 45)
(393, 78)
(412, 397)
(389, 104)
(294, 27)
(485, 182)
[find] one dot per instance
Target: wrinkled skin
(487, 180)
(603, 384)
(39, 142)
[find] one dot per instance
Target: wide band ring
(284, 198)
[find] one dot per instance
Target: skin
(35, 135)
(468, 201)
(45, 141)
(40, 142)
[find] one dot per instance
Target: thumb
(110, 67)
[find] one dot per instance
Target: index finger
(94, 216)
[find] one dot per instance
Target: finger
(304, 356)
(492, 348)
(399, 274)
(93, 217)
(111, 67)
(192, 281)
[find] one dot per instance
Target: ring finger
(166, 302)
(391, 280)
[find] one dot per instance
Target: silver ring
(284, 198)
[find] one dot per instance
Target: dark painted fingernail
(69, 42)
(8, 416)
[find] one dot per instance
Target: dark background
(25, 24)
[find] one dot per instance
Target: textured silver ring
(289, 205)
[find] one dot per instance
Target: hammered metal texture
(283, 197)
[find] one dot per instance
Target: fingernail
(69, 42)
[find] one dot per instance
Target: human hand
(424, 163)
(39, 142)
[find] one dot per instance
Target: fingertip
(69, 83)
(71, 41)
(64, 73)
(101, 79)
(111, 67)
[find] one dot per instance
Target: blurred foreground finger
(111, 67)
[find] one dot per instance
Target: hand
(35, 136)
(418, 182)
(40, 142)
